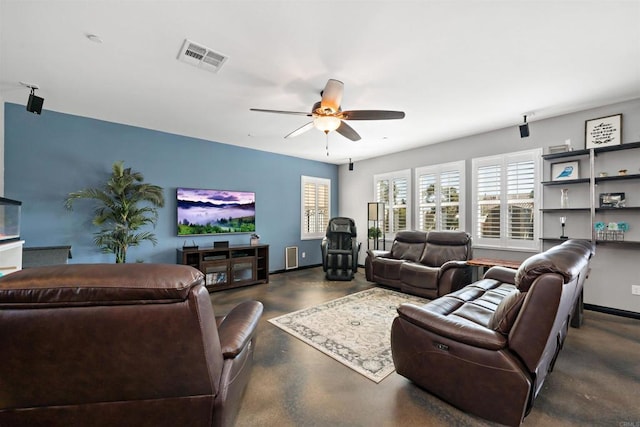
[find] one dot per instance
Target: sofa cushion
(406, 251)
(408, 245)
(443, 246)
(505, 315)
(99, 284)
(411, 236)
(419, 276)
(567, 260)
(388, 268)
(449, 238)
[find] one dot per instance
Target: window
(316, 207)
(439, 195)
(394, 190)
(505, 200)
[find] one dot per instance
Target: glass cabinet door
(216, 274)
(243, 270)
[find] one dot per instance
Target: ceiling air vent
(201, 56)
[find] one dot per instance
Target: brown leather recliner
(120, 344)
(427, 264)
(488, 347)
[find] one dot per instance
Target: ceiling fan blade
(297, 113)
(300, 130)
(372, 115)
(332, 96)
(348, 132)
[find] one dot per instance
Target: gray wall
(613, 269)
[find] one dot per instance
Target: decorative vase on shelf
(564, 198)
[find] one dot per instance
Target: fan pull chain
(327, 143)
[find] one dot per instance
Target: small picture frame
(612, 200)
(603, 131)
(565, 171)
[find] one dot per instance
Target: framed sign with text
(603, 131)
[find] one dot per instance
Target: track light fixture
(34, 104)
(524, 128)
(350, 164)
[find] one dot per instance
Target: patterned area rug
(355, 330)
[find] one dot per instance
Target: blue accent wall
(49, 156)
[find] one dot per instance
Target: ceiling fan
(328, 115)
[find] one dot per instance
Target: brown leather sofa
(120, 345)
(424, 264)
(488, 347)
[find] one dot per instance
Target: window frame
(389, 215)
(439, 170)
(316, 234)
(504, 241)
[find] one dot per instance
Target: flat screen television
(205, 212)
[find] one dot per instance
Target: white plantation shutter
(440, 190)
(400, 200)
(505, 200)
(309, 209)
(324, 214)
(394, 190)
(427, 206)
(520, 191)
(316, 207)
(488, 185)
(450, 189)
(382, 196)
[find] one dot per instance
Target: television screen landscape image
(203, 211)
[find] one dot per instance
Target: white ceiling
(455, 67)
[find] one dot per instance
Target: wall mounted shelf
(593, 181)
(566, 210)
(566, 181)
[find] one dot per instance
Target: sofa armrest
(453, 275)
(452, 328)
(237, 328)
(502, 274)
(373, 253)
(453, 264)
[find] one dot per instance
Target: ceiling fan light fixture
(326, 123)
(328, 115)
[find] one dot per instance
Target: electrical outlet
(635, 289)
(304, 255)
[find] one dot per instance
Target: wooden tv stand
(232, 267)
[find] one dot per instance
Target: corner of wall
(1, 146)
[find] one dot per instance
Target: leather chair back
(133, 344)
(551, 281)
(340, 233)
(443, 246)
(408, 245)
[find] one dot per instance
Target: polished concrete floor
(596, 380)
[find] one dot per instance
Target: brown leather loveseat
(120, 344)
(488, 347)
(427, 264)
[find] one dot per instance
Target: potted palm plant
(123, 206)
